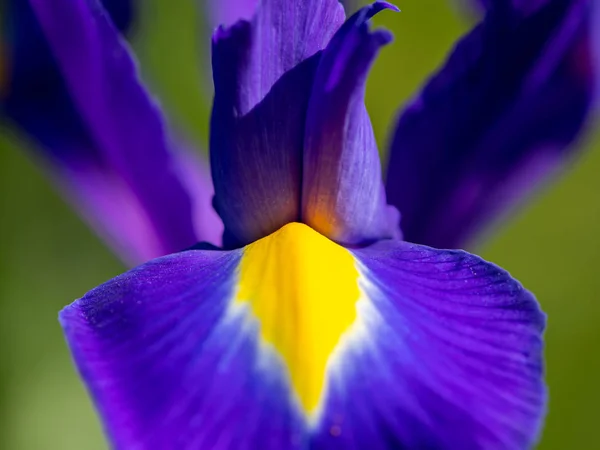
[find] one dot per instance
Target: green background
(48, 256)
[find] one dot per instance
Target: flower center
(302, 288)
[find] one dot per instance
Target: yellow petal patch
(303, 289)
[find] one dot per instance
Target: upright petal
(342, 189)
(263, 74)
(86, 108)
(296, 342)
(499, 116)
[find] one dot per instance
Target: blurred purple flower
(497, 119)
(104, 138)
(315, 325)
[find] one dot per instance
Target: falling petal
(297, 342)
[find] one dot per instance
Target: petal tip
(385, 5)
(65, 315)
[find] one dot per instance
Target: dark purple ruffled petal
(342, 189)
(263, 74)
(444, 350)
(499, 116)
(75, 91)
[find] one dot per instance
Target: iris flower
(320, 319)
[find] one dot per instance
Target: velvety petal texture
(263, 74)
(296, 342)
(342, 189)
(154, 322)
(458, 350)
(500, 115)
(75, 91)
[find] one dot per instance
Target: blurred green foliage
(49, 257)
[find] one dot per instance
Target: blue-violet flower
(321, 317)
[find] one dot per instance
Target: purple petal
(492, 123)
(452, 356)
(342, 192)
(437, 349)
(263, 73)
(101, 131)
(170, 366)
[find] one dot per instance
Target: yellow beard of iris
(303, 289)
